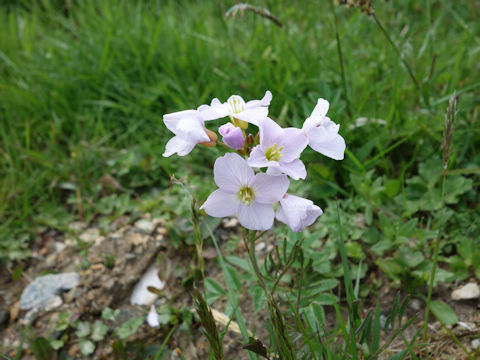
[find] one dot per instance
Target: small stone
(233, 222)
(30, 316)
(145, 226)
(475, 343)
(415, 304)
(90, 235)
(77, 226)
(59, 246)
(162, 231)
(467, 292)
(130, 256)
(260, 246)
(51, 260)
(53, 303)
(43, 288)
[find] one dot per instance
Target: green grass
(83, 88)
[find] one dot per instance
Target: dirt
(109, 266)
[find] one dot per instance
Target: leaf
(443, 312)
(354, 250)
(86, 347)
(231, 276)
(83, 329)
(98, 331)
(213, 291)
(259, 298)
(110, 314)
(42, 349)
(129, 328)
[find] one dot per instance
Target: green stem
(430, 286)
(286, 348)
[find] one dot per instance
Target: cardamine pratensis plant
(245, 190)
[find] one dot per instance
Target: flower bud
(213, 139)
(232, 136)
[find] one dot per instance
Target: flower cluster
(244, 190)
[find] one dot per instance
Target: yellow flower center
(246, 195)
(236, 104)
(274, 153)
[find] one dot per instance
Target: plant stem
(430, 285)
(285, 347)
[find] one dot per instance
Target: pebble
(233, 222)
(53, 303)
(475, 343)
(90, 235)
(415, 304)
(43, 288)
(145, 226)
(59, 246)
(467, 292)
(260, 246)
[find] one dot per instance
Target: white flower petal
(257, 158)
(216, 110)
(295, 169)
(270, 132)
(326, 140)
(152, 317)
(321, 108)
(267, 98)
(178, 145)
(192, 130)
(231, 172)
(270, 189)
(171, 120)
(221, 204)
(297, 212)
(253, 116)
(311, 122)
(294, 142)
(256, 216)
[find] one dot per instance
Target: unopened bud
(213, 139)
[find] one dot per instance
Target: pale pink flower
(152, 317)
(279, 150)
(322, 133)
(252, 111)
(189, 130)
(232, 136)
(243, 193)
(297, 212)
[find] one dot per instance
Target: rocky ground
(82, 307)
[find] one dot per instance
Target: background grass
(84, 85)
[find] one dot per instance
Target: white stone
(475, 343)
(140, 294)
(53, 303)
(233, 222)
(90, 235)
(467, 292)
(145, 226)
